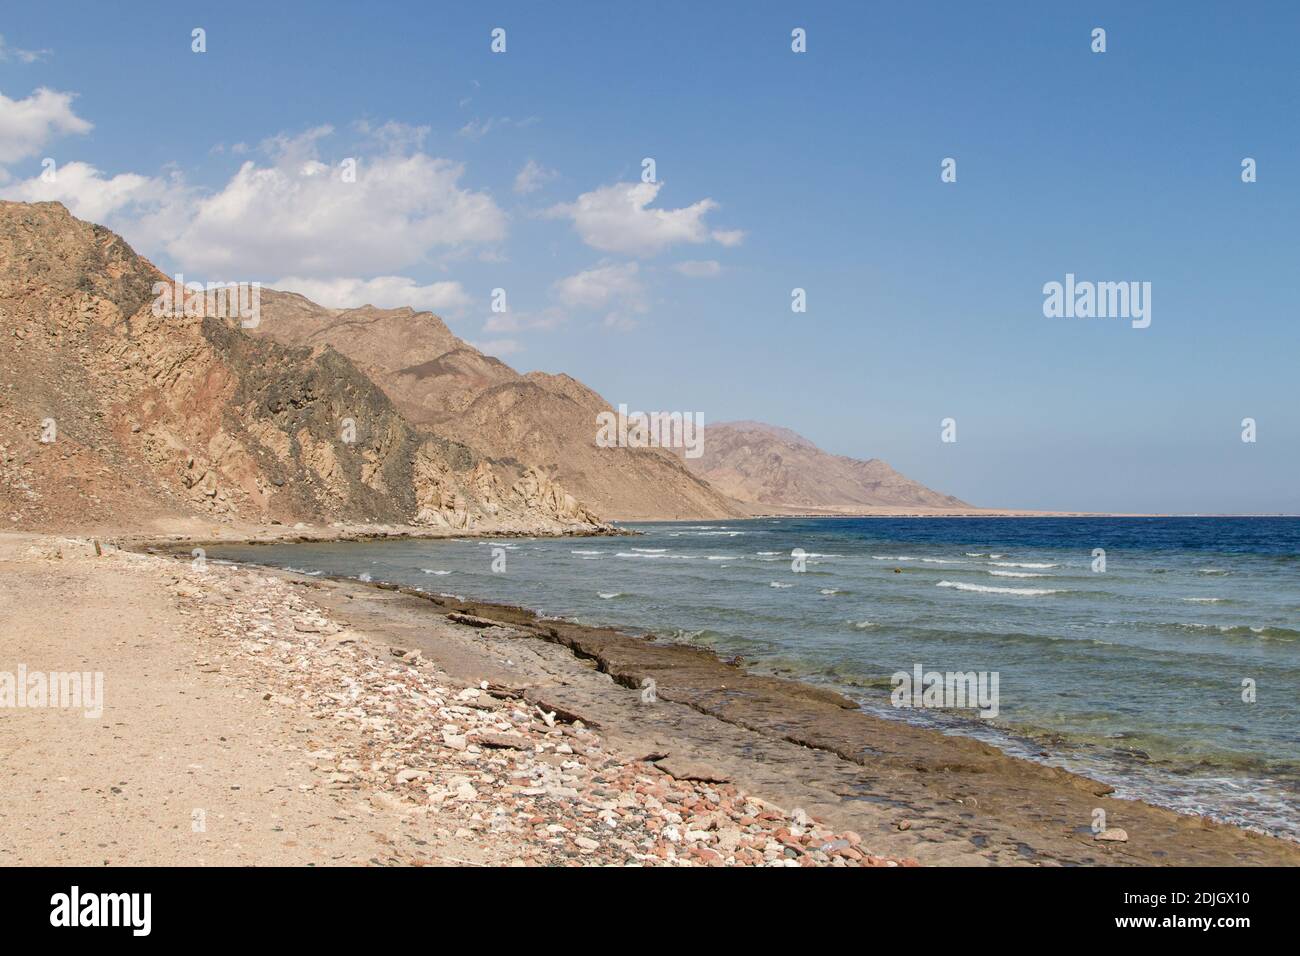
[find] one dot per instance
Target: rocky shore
(909, 791)
(461, 772)
(399, 727)
(484, 763)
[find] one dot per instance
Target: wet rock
(684, 768)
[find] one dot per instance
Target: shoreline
(264, 698)
(980, 513)
(248, 721)
(986, 805)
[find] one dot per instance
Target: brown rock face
(147, 416)
(548, 421)
(773, 469)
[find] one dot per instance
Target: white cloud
(532, 177)
(87, 193)
(292, 216)
(387, 292)
(615, 286)
(298, 217)
(729, 237)
(545, 320)
(498, 347)
(699, 268)
(8, 52)
(616, 219)
(394, 136)
(296, 150)
(599, 287)
(27, 125)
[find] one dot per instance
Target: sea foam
(985, 589)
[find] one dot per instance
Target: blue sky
(775, 170)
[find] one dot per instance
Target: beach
(1133, 670)
(254, 715)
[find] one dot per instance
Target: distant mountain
(772, 469)
(548, 421)
(167, 416)
(116, 413)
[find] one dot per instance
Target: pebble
(486, 761)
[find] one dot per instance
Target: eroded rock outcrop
(115, 412)
(547, 421)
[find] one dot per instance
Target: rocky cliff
(113, 414)
(441, 382)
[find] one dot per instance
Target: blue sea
(1172, 674)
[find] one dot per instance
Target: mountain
(116, 413)
(774, 470)
(440, 382)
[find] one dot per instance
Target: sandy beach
(257, 716)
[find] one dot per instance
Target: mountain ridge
(774, 468)
(440, 381)
(116, 412)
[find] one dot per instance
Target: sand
(218, 709)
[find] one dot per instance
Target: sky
(773, 170)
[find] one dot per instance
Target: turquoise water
(1133, 674)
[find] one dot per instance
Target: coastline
(991, 513)
(245, 722)
(919, 791)
(284, 681)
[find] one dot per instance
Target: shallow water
(1133, 674)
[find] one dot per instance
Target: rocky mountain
(440, 382)
(114, 412)
(774, 470)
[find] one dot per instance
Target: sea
(1159, 655)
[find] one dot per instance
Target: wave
(650, 550)
(1212, 571)
(1024, 564)
(1237, 630)
(1019, 574)
(985, 589)
(778, 584)
(861, 625)
(609, 594)
(586, 552)
(639, 554)
(830, 591)
(1203, 600)
(433, 571)
(885, 557)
